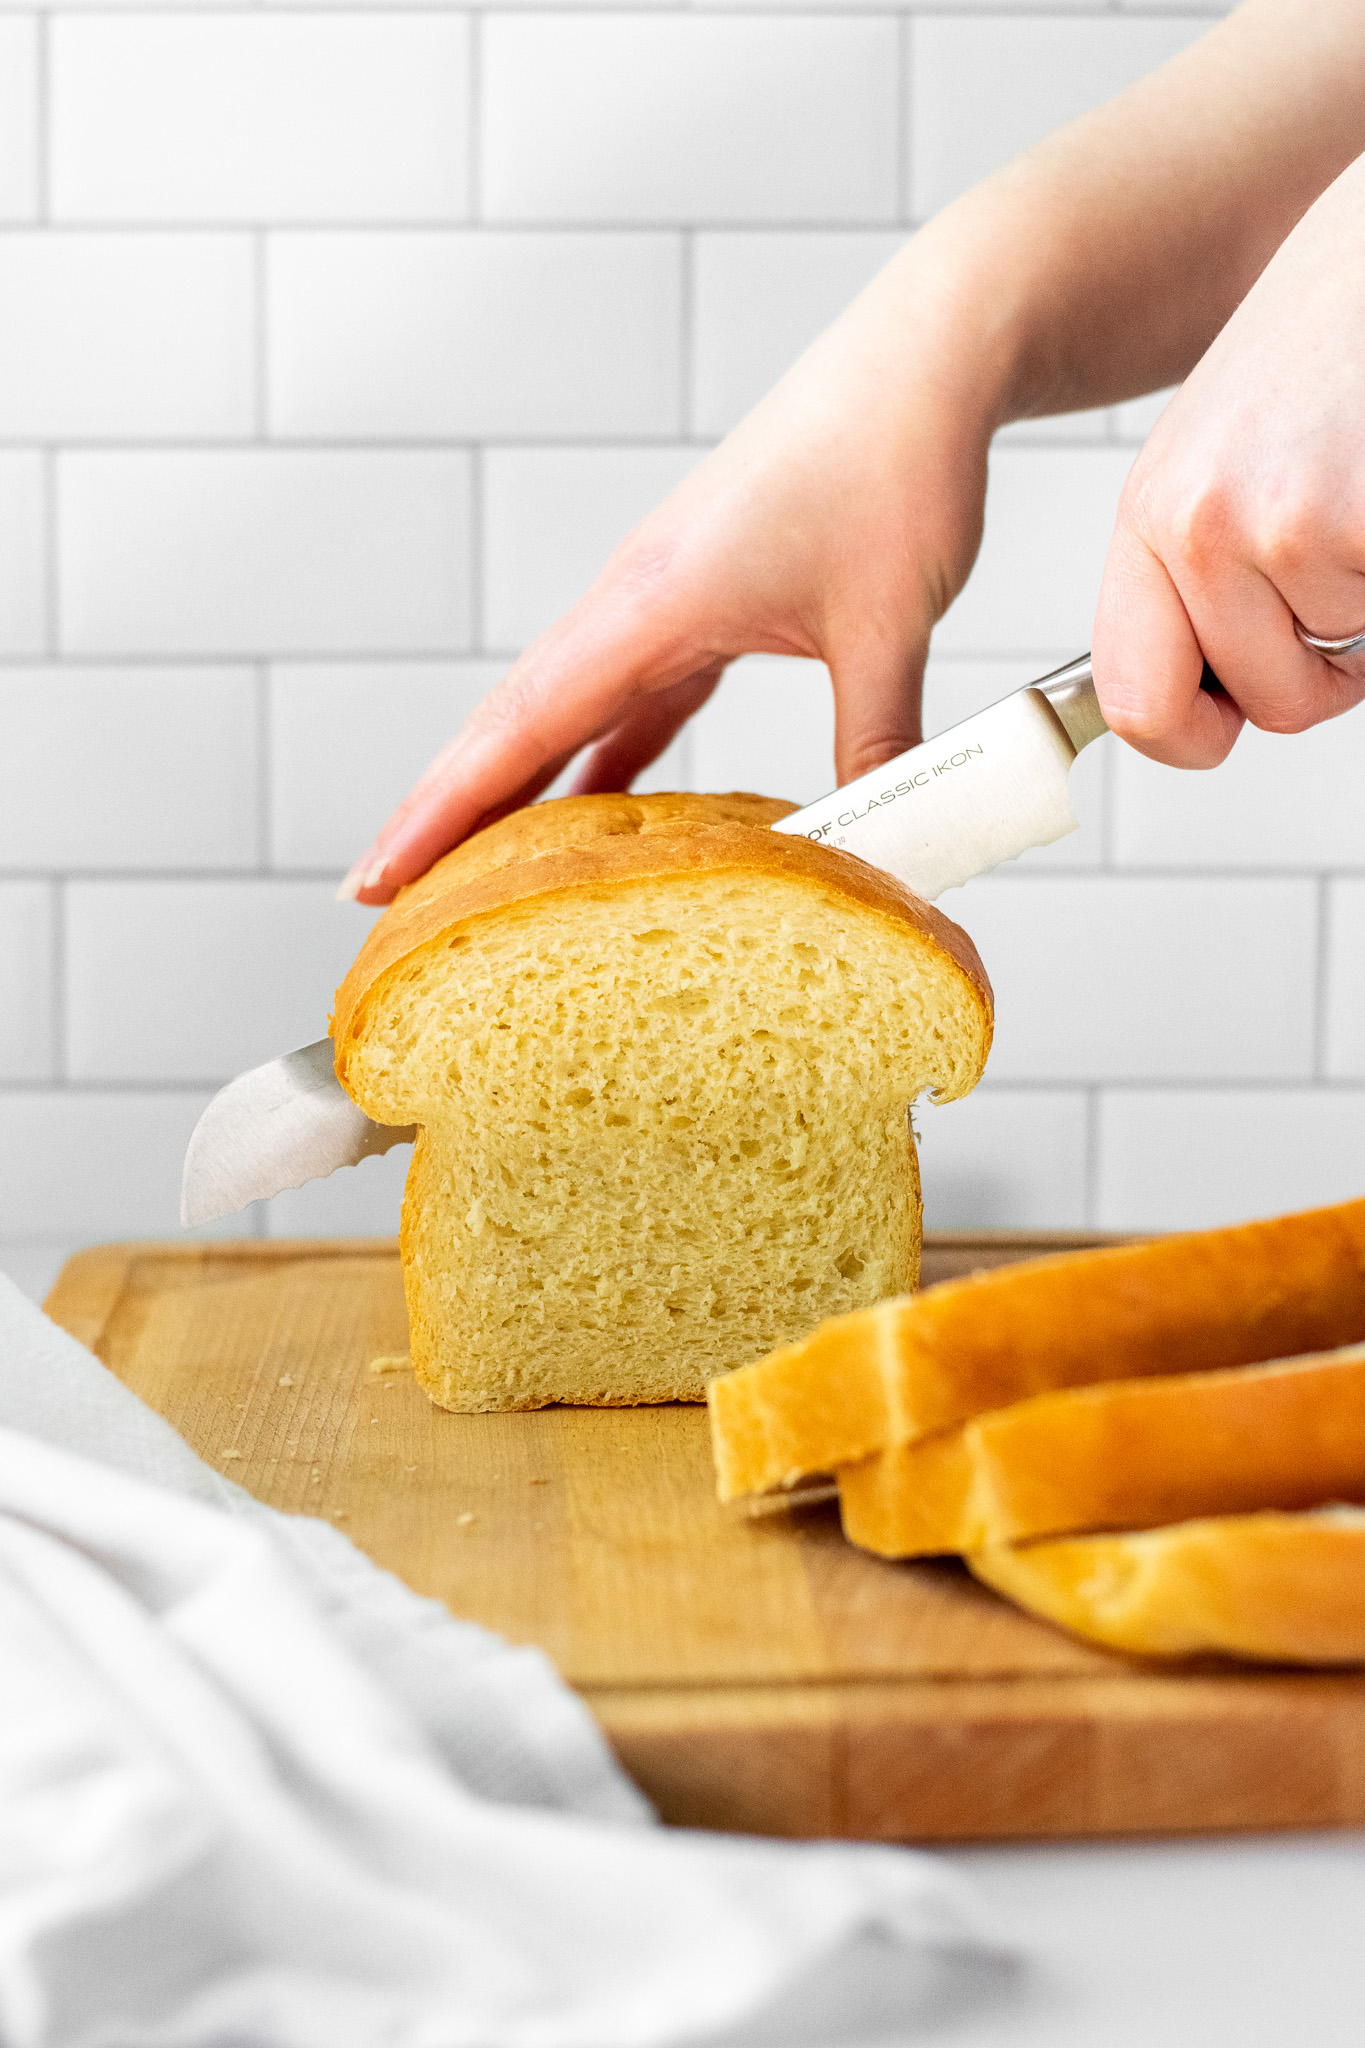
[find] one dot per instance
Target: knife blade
(983, 792)
(276, 1127)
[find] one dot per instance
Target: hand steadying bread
(662, 1059)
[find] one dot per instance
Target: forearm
(1102, 263)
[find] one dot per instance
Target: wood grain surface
(752, 1671)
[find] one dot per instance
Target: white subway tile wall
(398, 336)
(186, 981)
(19, 98)
(340, 346)
(551, 516)
(128, 768)
(758, 299)
(240, 116)
(23, 548)
(261, 550)
(983, 90)
(26, 947)
(689, 117)
(347, 740)
(107, 337)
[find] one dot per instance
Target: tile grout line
(264, 768)
(474, 110)
(1321, 979)
(687, 286)
(374, 444)
(1034, 878)
(477, 493)
(1092, 1156)
(59, 984)
(260, 336)
(459, 224)
(904, 86)
(52, 605)
(1108, 811)
(43, 137)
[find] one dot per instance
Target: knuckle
(510, 706)
(1191, 517)
(1291, 536)
(1204, 527)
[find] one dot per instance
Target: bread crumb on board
(232, 1452)
(390, 1367)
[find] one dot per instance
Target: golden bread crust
(576, 843)
(904, 1369)
(1282, 1588)
(661, 1059)
(1130, 1454)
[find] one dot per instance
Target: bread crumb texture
(662, 1059)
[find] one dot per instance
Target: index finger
(1149, 664)
(570, 687)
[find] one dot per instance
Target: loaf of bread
(661, 1058)
(1129, 1454)
(1286, 1588)
(904, 1369)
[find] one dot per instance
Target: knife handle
(1070, 691)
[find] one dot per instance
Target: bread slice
(904, 1369)
(662, 1059)
(1284, 1588)
(1128, 1455)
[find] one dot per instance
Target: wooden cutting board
(752, 1672)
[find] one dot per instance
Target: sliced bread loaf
(900, 1371)
(662, 1059)
(1284, 1588)
(1129, 1454)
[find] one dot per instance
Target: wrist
(954, 305)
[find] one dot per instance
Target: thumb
(877, 704)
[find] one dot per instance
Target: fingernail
(351, 887)
(375, 875)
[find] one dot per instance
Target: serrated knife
(983, 792)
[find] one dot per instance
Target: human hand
(1246, 510)
(838, 521)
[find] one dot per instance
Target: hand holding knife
(983, 792)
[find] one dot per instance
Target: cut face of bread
(1285, 1588)
(1127, 1455)
(662, 1059)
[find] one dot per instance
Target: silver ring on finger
(1354, 643)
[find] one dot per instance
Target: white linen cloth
(254, 1793)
